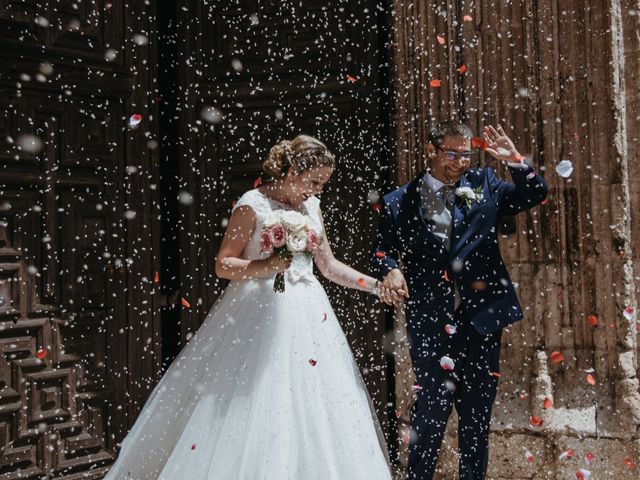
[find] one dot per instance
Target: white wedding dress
(267, 389)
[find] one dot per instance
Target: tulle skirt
(267, 389)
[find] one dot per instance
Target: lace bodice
(262, 206)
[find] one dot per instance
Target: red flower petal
(544, 202)
(629, 464)
(591, 380)
(351, 79)
(467, 18)
(477, 142)
(495, 374)
(312, 362)
(41, 353)
(376, 207)
(589, 457)
(593, 320)
(446, 276)
(361, 282)
(462, 69)
(156, 277)
(536, 421)
(557, 357)
(435, 83)
(193, 447)
(547, 403)
(257, 182)
(380, 255)
(184, 302)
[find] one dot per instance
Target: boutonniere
(470, 196)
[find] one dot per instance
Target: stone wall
(563, 79)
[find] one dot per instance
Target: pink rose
(278, 235)
(313, 240)
(266, 241)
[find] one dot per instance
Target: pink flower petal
(447, 363)
(628, 313)
(529, 456)
(450, 329)
(583, 474)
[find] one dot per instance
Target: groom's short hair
(448, 128)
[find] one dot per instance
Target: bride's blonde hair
(302, 153)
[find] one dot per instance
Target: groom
(444, 228)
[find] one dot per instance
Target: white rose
(293, 221)
(297, 241)
(465, 192)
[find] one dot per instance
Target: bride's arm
(229, 265)
(336, 271)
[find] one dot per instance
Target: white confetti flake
(564, 168)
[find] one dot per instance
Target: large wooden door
(78, 342)
(254, 72)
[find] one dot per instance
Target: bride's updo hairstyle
(301, 154)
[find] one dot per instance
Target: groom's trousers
(470, 387)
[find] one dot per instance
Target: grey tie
(442, 214)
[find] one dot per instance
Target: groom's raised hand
(500, 145)
(394, 288)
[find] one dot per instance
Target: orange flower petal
(593, 320)
(380, 255)
(591, 380)
(352, 79)
(495, 374)
(156, 277)
(435, 83)
(557, 357)
(257, 182)
(462, 69)
(41, 353)
(446, 276)
(184, 302)
(547, 403)
(361, 282)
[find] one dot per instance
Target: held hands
(500, 145)
(394, 288)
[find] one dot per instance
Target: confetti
(462, 69)
(134, 120)
(528, 456)
(536, 421)
(467, 18)
(628, 313)
(557, 357)
(591, 379)
(193, 447)
(447, 363)
(450, 329)
(156, 277)
(257, 182)
(435, 83)
(446, 276)
(629, 464)
(593, 320)
(376, 207)
(566, 455)
(564, 168)
(583, 474)
(351, 79)
(441, 39)
(588, 458)
(380, 254)
(361, 282)
(184, 302)
(547, 403)
(477, 142)
(41, 353)
(312, 362)
(495, 374)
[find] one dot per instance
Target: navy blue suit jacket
(473, 261)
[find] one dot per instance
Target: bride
(267, 388)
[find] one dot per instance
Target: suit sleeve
(384, 255)
(527, 190)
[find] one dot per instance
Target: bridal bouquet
(288, 232)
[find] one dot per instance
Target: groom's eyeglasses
(451, 156)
